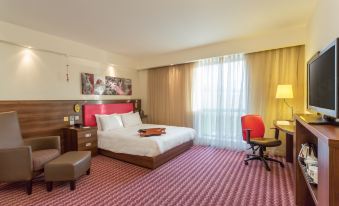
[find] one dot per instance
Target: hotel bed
(125, 143)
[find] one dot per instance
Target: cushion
(267, 142)
(110, 122)
(97, 118)
(10, 135)
(130, 120)
(69, 166)
(41, 157)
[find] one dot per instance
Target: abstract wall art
(99, 85)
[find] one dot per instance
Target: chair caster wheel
(246, 163)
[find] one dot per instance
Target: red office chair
(253, 133)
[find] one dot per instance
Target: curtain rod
(193, 61)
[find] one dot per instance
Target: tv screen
(322, 81)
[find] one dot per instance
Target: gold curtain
(266, 70)
(169, 95)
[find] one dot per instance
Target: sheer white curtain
(219, 98)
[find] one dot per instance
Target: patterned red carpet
(201, 176)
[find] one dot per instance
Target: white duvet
(128, 141)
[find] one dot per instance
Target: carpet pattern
(200, 176)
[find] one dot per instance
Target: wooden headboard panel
(90, 110)
(46, 117)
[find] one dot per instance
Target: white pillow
(97, 119)
(110, 122)
(130, 120)
(131, 112)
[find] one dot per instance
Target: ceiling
(139, 28)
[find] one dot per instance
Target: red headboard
(90, 110)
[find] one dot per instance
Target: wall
(278, 39)
(323, 27)
(29, 74)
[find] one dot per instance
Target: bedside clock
(76, 108)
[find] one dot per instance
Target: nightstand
(80, 139)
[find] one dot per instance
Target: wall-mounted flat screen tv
(322, 72)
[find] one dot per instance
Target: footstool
(67, 167)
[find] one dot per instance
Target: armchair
(22, 160)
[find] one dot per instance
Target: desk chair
(253, 133)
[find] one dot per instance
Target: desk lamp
(285, 91)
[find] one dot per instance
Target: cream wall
(278, 39)
(29, 74)
(323, 27)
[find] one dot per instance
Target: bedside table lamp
(284, 91)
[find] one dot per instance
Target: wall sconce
(27, 55)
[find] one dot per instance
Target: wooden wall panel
(45, 117)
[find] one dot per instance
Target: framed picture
(128, 86)
(87, 82)
(99, 85)
(118, 86)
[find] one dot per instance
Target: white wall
(28, 74)
(323, 27)
(278, 39)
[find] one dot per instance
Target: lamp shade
(284, 91)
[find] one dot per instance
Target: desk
(289, 130)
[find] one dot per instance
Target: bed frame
(89, 111)
(149, 162)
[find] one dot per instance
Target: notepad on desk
(283, 122)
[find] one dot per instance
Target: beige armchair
(23, 159)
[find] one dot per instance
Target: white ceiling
(139, 28)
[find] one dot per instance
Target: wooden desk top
(326, 133)
(289, 129)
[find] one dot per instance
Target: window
(219, 100)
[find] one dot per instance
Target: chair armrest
(16, 164)
(248, 135)
(40, 143)
(276, 134)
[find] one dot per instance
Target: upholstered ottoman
(68, 167)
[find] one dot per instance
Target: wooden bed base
(149, 162)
